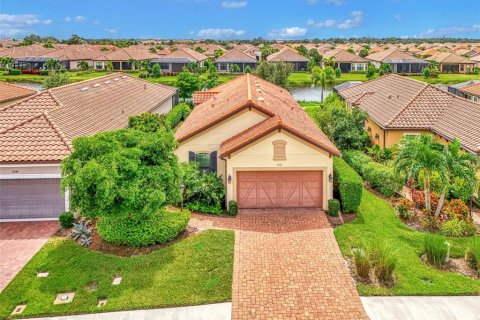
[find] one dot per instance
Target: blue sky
(240, 19)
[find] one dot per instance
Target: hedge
(333, 207)
(177, 114)
(382, 178)
(356, 159)
(14, 72)
(348, 184)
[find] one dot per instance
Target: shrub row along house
(347, 61)
(398, 107)
(400, 61)
(268, 151)
(174, 62)
(36, 134)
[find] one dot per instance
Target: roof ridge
(8, 106)
(407, 105)
(19, 124)
(57, 130)
(249, 91)
(15, 86)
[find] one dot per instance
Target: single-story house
(121, 58)
(347, 61)
(235, 56)
(174, 62)
(468, 90)
(10, 93)
(267, 150)
(288, 54)
(453, 63)
(401, 61)
(36, 134)
(399, 106)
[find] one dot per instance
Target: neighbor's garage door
(279, 189)
(30, 198)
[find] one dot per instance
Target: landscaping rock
(62, 298)
(19, 309)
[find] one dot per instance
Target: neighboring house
(235, 56)
(453, 63)
(468, 90)
(289, 55)
(400, 61)
(174, 62)
(399, 107)
(267, 150)
(10, 93)
(347, 61)
(36, 134)
(121, 58)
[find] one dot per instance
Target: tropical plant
(6, 62)
(83, 65)
(275, 72)
(187, 83)
(329, 62)
(232, 208)
(66, 219)
(82, 231)
(315, 56)
(234, 68)
(421, 153)
(218, 53)
(330, 74)
(55, 79)
(363, 52)
(156, 72)
(436, 249)
(133, 63)
(109, 65)
(362, 262)
(247, 69)
(426, 73)
(385, 261)
(212, 78)
(319, 78)
(302, 50)
(338, 73)
(370, 74)
(267, 50)
(404, 208)
(53, 65)
(458, 228)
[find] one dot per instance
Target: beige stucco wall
(387, 138)
(211, 139)
(393, 137)
(15, 170)
(374, 130)
(301, 155)
(164, 107)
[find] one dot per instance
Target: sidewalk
(218, 311)
(422, 308)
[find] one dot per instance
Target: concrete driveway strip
(422, 308)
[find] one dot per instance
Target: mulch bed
(98, 244)
(456, 265)
(372, 279)
(341, 219)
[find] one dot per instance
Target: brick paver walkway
(287, 266)
(19, 241)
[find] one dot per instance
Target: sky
(240, 19)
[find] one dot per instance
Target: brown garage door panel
(279, 189)
(30, 198)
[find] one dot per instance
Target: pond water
(309, 93)
(28, 85)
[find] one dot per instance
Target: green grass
(448, 78)
(309, 107)
(304, 78)
(196, 270)
(377, 222)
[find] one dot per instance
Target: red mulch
(341, 219)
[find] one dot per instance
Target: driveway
(19, 241)
(287, 265)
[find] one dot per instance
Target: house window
(206, 162)
(411, 135)
(279, 152)
(360, 67)
(99, 65)
(223, 66)
(164, 66)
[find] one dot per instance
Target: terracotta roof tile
(10, 92)
(250, 91)
(202, 96)
(448, 57)
(343, 56)
(236, 55)
(286, 55)
(473, 89)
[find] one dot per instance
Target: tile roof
(125, 54)
(202, 96)
(448, 57)
(236, 55)
(343, 56)
(396, 102)
(187, 53)
(286, 54)
(390, 54)
(250, 91)
(473, 89)
(75, 52)
(79, 109)
(10, 92)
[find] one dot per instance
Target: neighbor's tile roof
(472, 89)
(75, 52)
(10, 92)
(448, 57)
(78, 109)
(125, 54)
(343, 56)
(236, 55)
(390, 54)
(187, 53)
(246, 91)
(287, 55)
(396, 102)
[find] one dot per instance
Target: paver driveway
(287, 266)
(19, 241)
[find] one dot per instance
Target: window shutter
(191, 156)
(213, 161)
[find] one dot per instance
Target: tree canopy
(275, 72)
(187, 83)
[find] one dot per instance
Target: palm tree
(419, 154)
(458, 165)
(133, 63)
(329, 62)
(319, 77)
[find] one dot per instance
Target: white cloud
(398, 17)
(18, 24)
(112, 30)
(288, 33)
(77, 19)
(68, 19)
(335, 2)
(234, 4)
(212, 33)
(449, 31)
(96, 22)
(355, 21)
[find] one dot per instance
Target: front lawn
(377, 222)
(448, 78)
(309, 107)
(297, 79)
(196, 270)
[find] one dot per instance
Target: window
(360, 67)
(411, 135)
(223, 66)
(206, 162)
(99, 65)
(164, 66)
(279, 152)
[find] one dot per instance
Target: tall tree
(275, 72)
(187, 83)
(319, 78)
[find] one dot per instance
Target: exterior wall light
(229, 179)
(330, 178)
(377, 136)
(369, 129)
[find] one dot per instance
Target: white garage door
(30, 198)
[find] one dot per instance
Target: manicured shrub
(349, 185)
(385, 262)
(404, 209)
(177, 114)
(232, 208)
(471, 259)
(14, 72)
(429, 222)
(356, 159)
(382, 178)
(436, 249)
(333, 207)
(458, 228)
(455, 209)
(362, 263)
(203, 208)
(137, 231)
(43, 72)
(66, 219)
